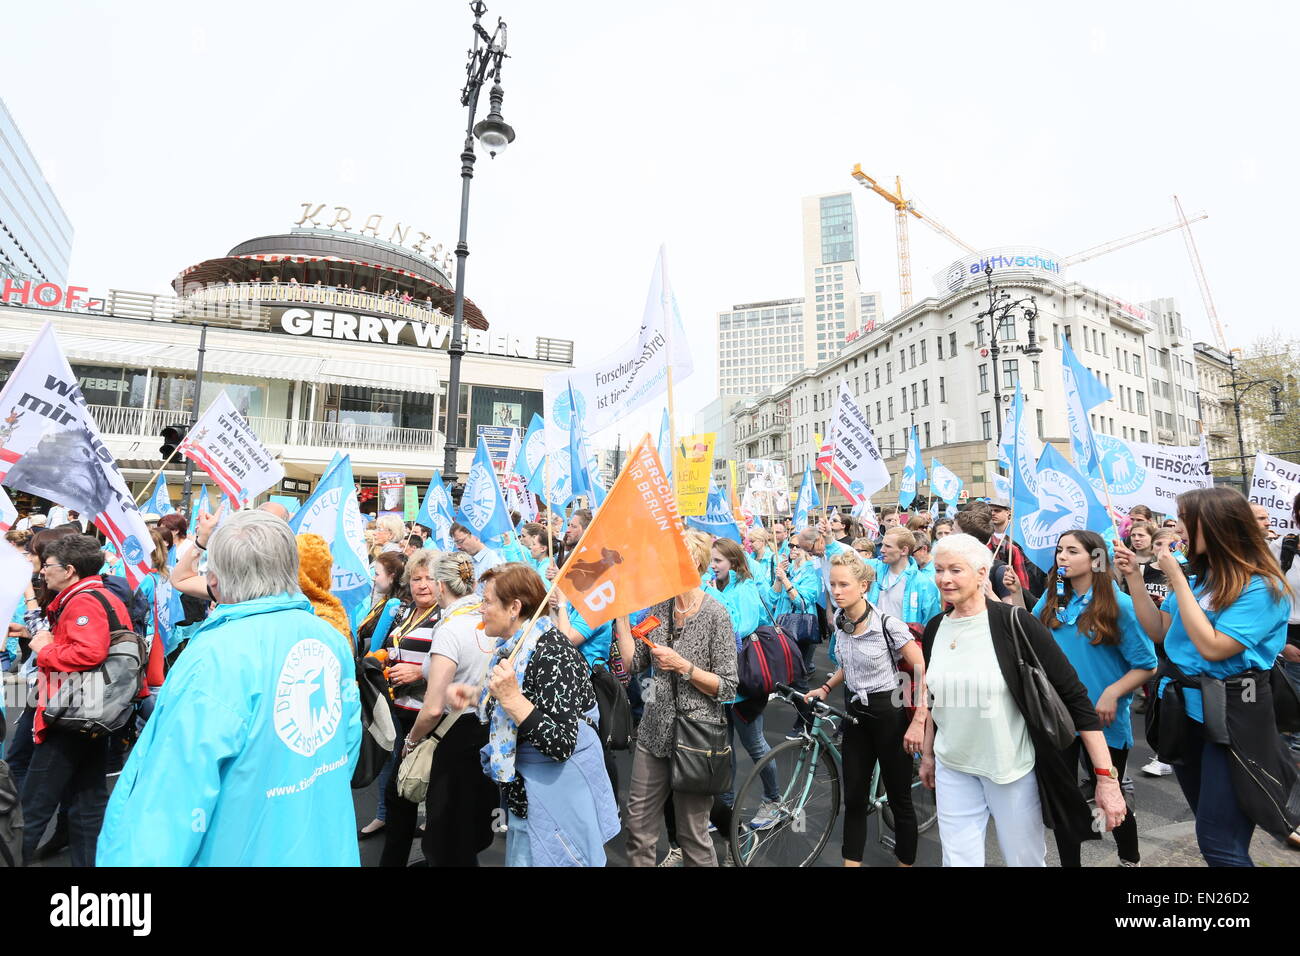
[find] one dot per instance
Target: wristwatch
(1108, 772)
(690, 672)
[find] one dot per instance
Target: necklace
(690, 609)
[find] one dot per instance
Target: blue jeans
(755, 744)
(1292, 671)
(1223, 831)
(381, 811)
(519, 852)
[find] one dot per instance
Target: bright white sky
(172, 131)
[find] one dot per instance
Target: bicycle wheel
(808, 784)
(922, 801)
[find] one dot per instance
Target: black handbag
(1045, 711)
(701, 755)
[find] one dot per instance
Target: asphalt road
(1165, 822)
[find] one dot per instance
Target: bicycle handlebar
(820, 706)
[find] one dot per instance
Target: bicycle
(809, 802)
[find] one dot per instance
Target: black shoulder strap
(884, 632)
(114, 623)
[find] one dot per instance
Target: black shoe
(366, 835)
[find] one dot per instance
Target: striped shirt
(869, 667)
(408, 643)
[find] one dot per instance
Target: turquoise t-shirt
(1100, 665)
(596, 641)
(1256, 620)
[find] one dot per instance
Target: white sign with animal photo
(50, 446)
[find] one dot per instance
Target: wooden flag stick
(154, 477)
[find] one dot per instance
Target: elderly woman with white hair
(982, 754)
(248, 757)
(389, 533)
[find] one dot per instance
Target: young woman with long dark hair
(1095, 626)
(1225, 620)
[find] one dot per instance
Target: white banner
(1151, 475)
(222, 444)
(1275, 485)
(8, 512)
(856, 466)
(631, 377)
(50, 446)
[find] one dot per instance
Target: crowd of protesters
(249, 717)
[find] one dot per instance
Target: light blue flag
(333, 513)
(201, 505)
(913, 471)
(161, 502)
(943, 483)
(578, 468)
(1066, 502)
(718, 519)
(666, 458)
(532, 450)
(435, 514)
(482, 507)
(807, 500)
(1083, 393)
(1018, 453)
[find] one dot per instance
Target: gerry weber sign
(323, 324)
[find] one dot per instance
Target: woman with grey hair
(981, 754)
(458, 808)
(389, 533)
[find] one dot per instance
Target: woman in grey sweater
(695, 672)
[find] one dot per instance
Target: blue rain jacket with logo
(248, 757)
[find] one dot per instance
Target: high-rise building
(35, 234)
(761, 346)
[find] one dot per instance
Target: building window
(986, 422)
(911, 355)
(1038, 413)
(914, 402)
(1038, 385)
(938, 347)
(878, 418)
(925, 391)
(1144, 436)
(984, 378)
(877, 378)
(927, 434)
(1007, 328)
(1141, 403)
(904, 390)
(1010, 372)
(952, 344)
(979, 333)
(942, 393)
(1056, 336)
(891, 409)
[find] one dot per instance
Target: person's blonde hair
(760, 535)
(901, 537)
(700, 545)
(394, 526)
(863, 572)
(424, 558)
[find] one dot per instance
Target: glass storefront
(360, 405)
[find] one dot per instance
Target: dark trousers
(1223, 831)
(458, 809)
(877, 737)
(809, 651)
(402, 814)
(1126, 834)
(66, 766)
(19, 753)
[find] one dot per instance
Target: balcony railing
(274, 432)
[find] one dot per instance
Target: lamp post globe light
(1000, 306)
(485, 59)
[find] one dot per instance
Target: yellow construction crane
(902, 209)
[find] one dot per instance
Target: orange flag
(634, 553)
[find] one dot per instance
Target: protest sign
(223, 445)
(1274, 485)
(856, 467)
(694, 463)
(392, 489)
(1151, 475)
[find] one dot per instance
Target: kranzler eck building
(325, 339)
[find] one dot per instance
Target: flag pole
(154, 476)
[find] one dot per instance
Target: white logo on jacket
(308, 697)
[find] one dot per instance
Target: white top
(1292, 579)
(890, 600)
(979, 728)
(460, 638)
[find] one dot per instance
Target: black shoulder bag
(1045, 711)
(701, 756)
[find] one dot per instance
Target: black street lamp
(495, 134)
(1002, 305)
(1276, 415)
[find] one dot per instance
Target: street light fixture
(1276, 415)
(495, 134)
(1002, 305)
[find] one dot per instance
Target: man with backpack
(67, 764)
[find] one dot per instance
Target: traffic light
(171, 436)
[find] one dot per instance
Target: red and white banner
(224, 446)
(50, 446)
(513, 487)
(856, 467)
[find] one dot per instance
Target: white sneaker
(1157, 769)
(768, 813)
(674, 857)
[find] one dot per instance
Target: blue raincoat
(920, 594)
(248, 757)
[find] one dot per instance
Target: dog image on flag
(62, 467)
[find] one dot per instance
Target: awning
(94, 350)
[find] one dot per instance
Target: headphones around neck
(842, 620)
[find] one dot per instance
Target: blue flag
(532, 450)
(201, 505)
(807, 500)
(1019, 455)
(913, 471)
(943, 483)
(482, 507)
(1083, 393)
(435, 513)
(581, 478)
(1066, 502)
(161, 502)
(666, 457)
(718, 519)
(333, 513)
